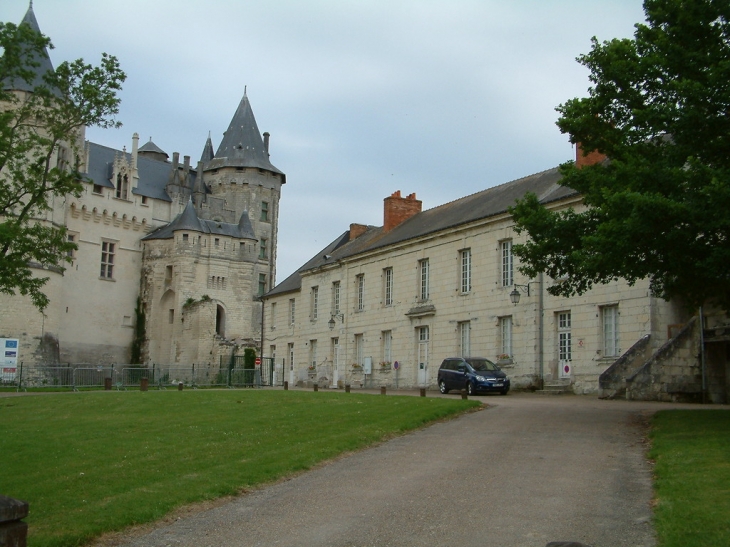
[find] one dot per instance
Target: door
(422, 379)
(565, 356)
(335, 361)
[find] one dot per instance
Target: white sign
(8, 359)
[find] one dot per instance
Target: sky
(441, 98)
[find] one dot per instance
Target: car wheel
(442, 387)
(470, 388)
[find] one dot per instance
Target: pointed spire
(245, 227)
(187, 220)
(242, 144)
(207, 154)
(41, 59)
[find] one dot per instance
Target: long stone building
(171, 256)
(384, 305)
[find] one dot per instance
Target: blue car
(474, 374)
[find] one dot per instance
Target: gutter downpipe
(540, 329)
(702, 356)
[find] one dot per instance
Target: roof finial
(244, 90)
(30, 5)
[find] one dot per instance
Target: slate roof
(43, 60)
(242, 144)
(153, 174)
(475, 207)
(188, 220)
(152, 147)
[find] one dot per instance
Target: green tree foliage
(659, 108)
(40, 148)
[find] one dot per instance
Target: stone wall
(612, 382)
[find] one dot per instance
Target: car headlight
(481, 379)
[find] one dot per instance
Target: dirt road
(528, 470)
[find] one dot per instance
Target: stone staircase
(556, 387)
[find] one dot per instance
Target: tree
(41, 121)
(659, 207)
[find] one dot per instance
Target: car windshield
(482, 364)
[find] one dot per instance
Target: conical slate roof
(43, 60)
(152, 147)
(245, 227)
(242, 144)
(207, 154)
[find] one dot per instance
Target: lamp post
(514, 296)
(331, 323)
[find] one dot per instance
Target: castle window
(108, 250)
(220, 321)
(122, 186)
(217, 242)
(144, 200)
(262, 248)
(96, 189)
(185, 237)
(262, 284)
(71, 238)
(265, 211)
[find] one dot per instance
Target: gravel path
(527, 470)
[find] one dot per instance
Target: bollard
(107, 384)
(180, 386)
(13, 531)
(316, 387)
(382, 390)
(463, 394)
(144, 384)
(286, 385)
(347, 388)
(423, 392)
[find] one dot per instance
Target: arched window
(220, 321)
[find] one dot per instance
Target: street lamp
(331, 323)
(514, 296)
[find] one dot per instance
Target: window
(507, 264)
(313, 353)
(465, 338)
(465, 285)
(272, 319)
(171, 316)
(262, 284)
(290, 351)
(423, 270)
(315, 303)
(144, 200)
(336, 298)
(263, 252)
(360, 280)
(122, 186)
(609, 318)
(217, 242)
(388, 286)
(292, 310)
(387, 337)
(96, 189)
(359, 350)
(185, 237)
(564, 341)
(71, 238)
(505, 335)
(107, 259)
(265, 211)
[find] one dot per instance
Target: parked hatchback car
(475, 374)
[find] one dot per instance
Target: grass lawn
(93, 462)
(691, 449)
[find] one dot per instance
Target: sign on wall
(8, 360)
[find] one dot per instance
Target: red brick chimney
(356, 230)
(398, 209)
(591, 158)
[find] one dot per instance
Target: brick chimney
(398, 209)
(356, 230)
(591, 158)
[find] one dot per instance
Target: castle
(171, 256)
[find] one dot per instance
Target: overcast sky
(440, 98)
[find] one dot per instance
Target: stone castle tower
(203, 272)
